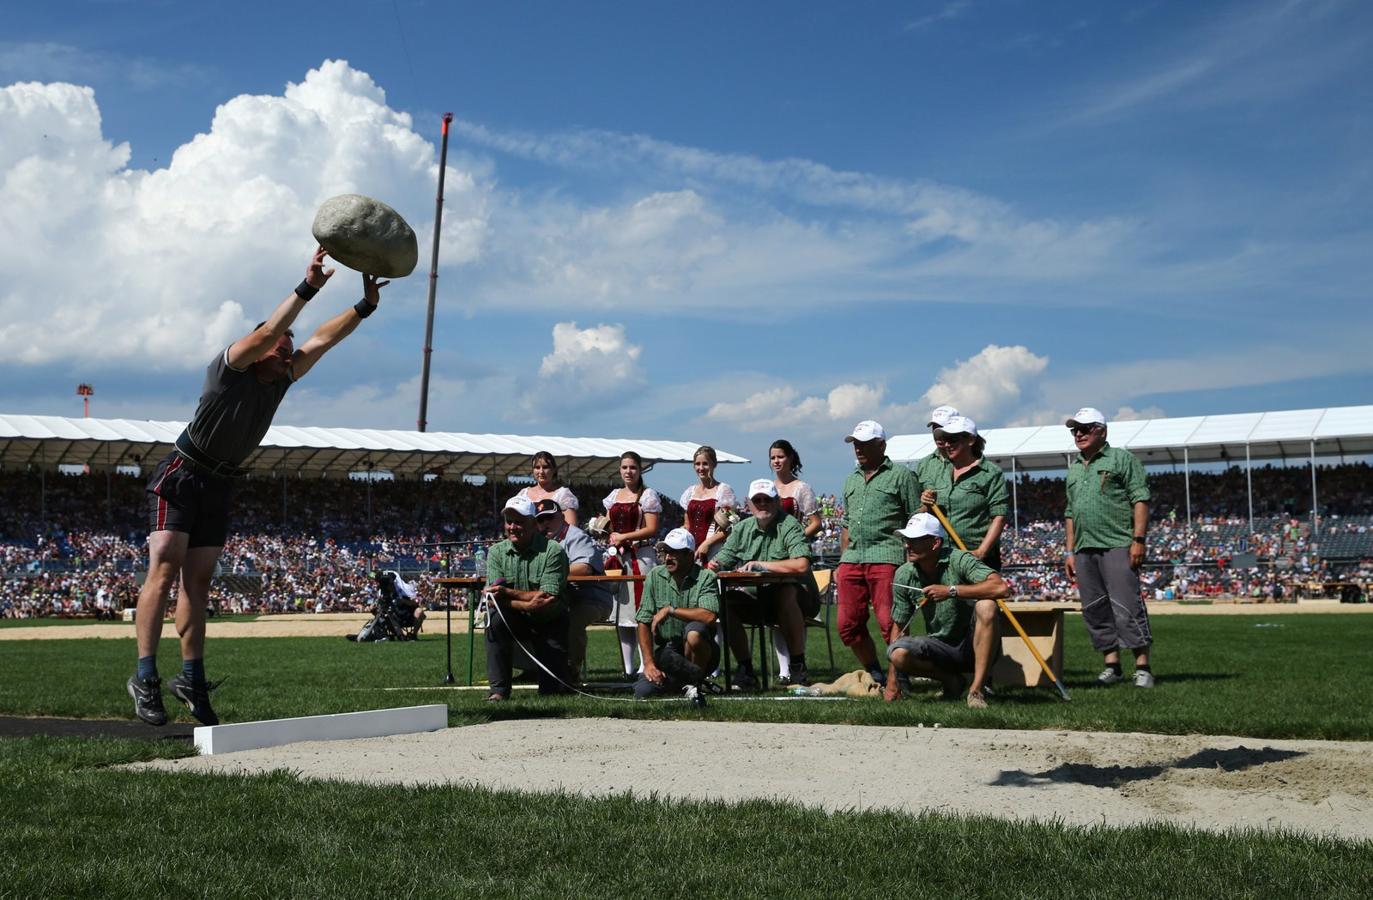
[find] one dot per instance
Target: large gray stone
(367, 235)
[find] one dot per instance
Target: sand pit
(1080, 778)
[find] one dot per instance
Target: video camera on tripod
(396, 615)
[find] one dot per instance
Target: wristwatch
(953, 592)
(1139, 539)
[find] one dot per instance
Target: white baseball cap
(867, 430)
(1087, 416)
(678, 539)
(941, 415)
(959, 425)
(762, 487)
(520, 506)
(922, 525)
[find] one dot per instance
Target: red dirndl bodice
(700, 515)
(789, 507)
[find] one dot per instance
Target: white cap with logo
(1086, 416)
(867, 430)
(959, 425)
(922, 525)
(940, 416)
(520, 506)
(762, 487)
(678, 539)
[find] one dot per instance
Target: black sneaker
(798, 678)
(147, 699)
(742, 682)
(695, 696)
(196, 698)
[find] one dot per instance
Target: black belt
(206, 464)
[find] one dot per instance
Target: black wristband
(306, 291)
(364, 309)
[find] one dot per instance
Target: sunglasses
(1082, 429)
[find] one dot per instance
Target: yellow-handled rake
(1006, 611)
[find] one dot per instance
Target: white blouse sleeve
(724, 497)
(566, 499)
(524, 493)
(609, 500)
(650, 502)
(805, 500)
(686, 497)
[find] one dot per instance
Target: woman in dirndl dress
(702, 501)
(633, 510)
(798, 499)
(547, 486)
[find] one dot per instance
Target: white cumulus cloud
(587, 368)
(163, 267)
(988, 386)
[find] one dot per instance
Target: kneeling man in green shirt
(956, 593)
(676, 621)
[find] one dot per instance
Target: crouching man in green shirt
(956, 594)
(526, 595)
(769, 541)
(676, 621)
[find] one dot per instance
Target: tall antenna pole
(433, 278)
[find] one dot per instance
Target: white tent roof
(1284, 434)
(331, 452)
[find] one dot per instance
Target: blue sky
(714, 222)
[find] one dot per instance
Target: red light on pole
(85, 391)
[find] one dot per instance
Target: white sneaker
(1109, 676)
(1144, 679)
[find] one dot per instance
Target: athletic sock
(1144, 668)
(193, 670)
(1114, 667)
(779, 644)
(147, 667)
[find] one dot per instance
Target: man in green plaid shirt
(879, 497)
(1107, 517)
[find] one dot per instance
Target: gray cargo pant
(1111, 606)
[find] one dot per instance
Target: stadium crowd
(73, 545)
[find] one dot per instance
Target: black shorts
(183, 499)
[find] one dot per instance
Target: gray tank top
(235, 411)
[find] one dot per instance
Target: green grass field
(75, 826)
(1289, 676)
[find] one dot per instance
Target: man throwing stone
(1107, 517)
(190, 491)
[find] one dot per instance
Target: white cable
(490, 603)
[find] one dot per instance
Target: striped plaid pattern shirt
(973, 500)
(874, 508)
(1102, 493)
